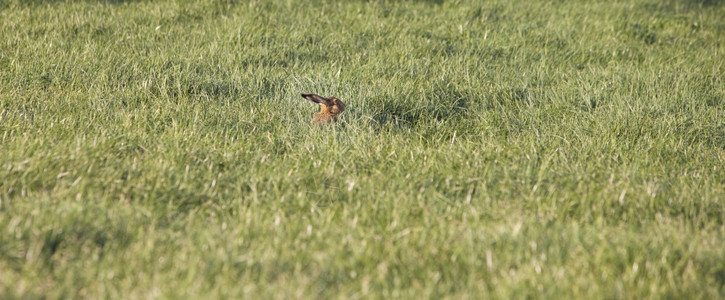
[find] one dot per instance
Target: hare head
(330, 108)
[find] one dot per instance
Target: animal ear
(317, 99)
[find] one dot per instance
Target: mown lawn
(490, 149)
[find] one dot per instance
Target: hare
(330, 108)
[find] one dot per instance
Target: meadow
(490, 149)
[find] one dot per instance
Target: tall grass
(498, 149)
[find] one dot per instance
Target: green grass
(497, 149)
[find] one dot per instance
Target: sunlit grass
(503, 149)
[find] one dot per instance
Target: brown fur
(330, 108)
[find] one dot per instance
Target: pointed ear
(317, 99)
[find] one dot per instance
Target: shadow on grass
(706, 2)
(79, 233)
(440, 105)
(675, 6)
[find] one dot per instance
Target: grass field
(490, 149)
